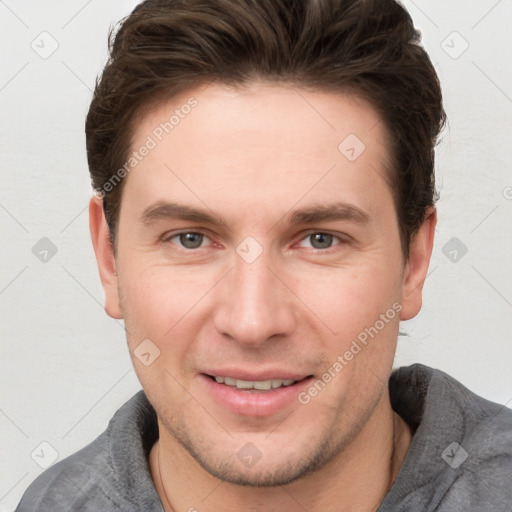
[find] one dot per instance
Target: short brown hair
(369, 47)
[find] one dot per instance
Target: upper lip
(239, 374)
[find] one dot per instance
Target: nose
(253, 303)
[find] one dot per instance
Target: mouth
(260, 396)
(256, 385)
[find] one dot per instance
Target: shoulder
(74, 483)
(479, 459)
(460, 457)
(431, 400)
(110, 474)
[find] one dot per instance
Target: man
(263, 219)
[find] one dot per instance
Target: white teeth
(265, 385)
(285, 382)
(229, 381)
(262, 384)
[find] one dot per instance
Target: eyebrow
(165, 210)
(339, 211)
(328, 212)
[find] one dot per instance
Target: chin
(270, 476)
(248, 466)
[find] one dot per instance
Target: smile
(255, 385)
(263, 395)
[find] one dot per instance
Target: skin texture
(253, 156)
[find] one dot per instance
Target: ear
(416, 267)
(104, 256)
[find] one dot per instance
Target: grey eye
(321, 240)
(191, 240)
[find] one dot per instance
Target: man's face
(306, 259)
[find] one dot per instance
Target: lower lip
(254, 403)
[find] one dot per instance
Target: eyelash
(341, 241)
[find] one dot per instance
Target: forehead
(260, 108)
(261, 140)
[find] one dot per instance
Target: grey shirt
(460, 457)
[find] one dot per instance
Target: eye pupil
(321, 240)
(191, 240)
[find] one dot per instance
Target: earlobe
(104, 257)
(417, 265)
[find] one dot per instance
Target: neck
(356, 479)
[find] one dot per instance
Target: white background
(65, 368)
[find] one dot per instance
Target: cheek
(362, 308)
(348, 300)
(156, 300)
(158, 306)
